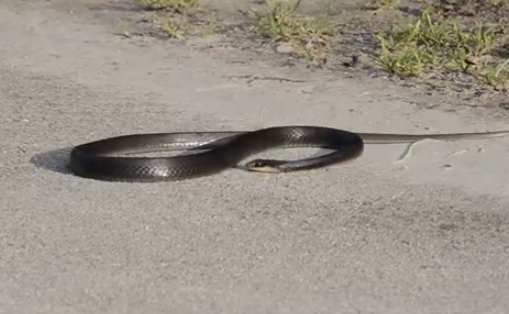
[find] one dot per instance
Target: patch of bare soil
(453, 50)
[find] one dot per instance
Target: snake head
(263, 165)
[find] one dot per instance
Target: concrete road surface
(429, 234)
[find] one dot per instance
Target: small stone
(285, 48)
(504, 105)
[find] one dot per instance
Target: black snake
(213, 152)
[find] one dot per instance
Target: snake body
(213, 152)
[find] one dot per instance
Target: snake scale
(213, 152)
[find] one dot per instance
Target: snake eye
(258, 164)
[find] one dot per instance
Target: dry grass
(180, 6)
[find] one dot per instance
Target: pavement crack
(252, 78)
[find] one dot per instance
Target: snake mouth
(261, 167)
(257, 166)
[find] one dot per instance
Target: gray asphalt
(427, 235)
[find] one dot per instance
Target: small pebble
(285, 48)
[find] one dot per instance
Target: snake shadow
(54, 160)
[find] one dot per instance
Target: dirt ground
(423, 234)
(229, 29)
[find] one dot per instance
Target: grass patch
(177, 6)
(497, 76)
(451, 46)
(382, 5)
(174, 18)
(309, 36)
(172, 29)
(430, 43)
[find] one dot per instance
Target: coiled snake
(213, 152)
